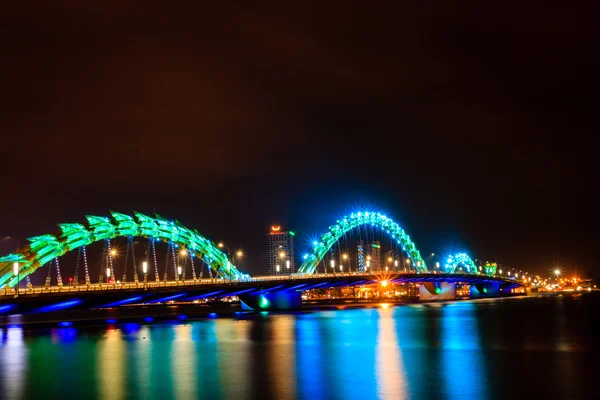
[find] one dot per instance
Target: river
(524, 347)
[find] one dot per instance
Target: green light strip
(45, 248)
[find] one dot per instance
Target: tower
(280, 252)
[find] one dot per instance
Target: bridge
(188, 252)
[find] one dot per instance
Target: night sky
(472, 126)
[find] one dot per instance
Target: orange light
(275, 228)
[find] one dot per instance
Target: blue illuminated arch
(322, 246)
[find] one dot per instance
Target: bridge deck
(337, 279)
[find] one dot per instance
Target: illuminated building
(280, 251)
(372, 252)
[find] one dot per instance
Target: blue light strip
(121, 302)
(176, 296)
(59, 306)
(240, 292)
(203, 296)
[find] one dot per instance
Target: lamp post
(145, 271)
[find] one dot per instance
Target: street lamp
(145, 271)
(557, 272)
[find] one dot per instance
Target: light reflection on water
(442, 350)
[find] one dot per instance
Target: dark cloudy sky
(471, 125)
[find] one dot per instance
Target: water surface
(496, 348)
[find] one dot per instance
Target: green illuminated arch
(460, 260)
(45, 248)
(322, 246)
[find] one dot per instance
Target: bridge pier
(481, 290)
(437, 291)
(280, 300)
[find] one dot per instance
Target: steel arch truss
(460, 262)
(42, 249)
(323, 245)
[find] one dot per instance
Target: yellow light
(183, 252)
(239, 253)
(385, 306)
(384, 283)
(389, 259)
(282, 254)
(368, 257)
(345, 256)
(220, 245)
(113, 252)
(275, 228)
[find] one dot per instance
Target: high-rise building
(370, 252)
(280, 252)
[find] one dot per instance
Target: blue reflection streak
(461, 352)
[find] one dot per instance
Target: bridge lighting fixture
(287, 264)
(145, 267)
(281, 254)
(395, 263)
(305, 256)
(345, 256)
(108, 272)
(384, 283)
(408, 260)
(277, 268)
(500, 271)
(332, 263)
(432, 254)
(239, 254)
(368, 263)
(16, 268)
(437, 264)
(179, 270)
(220, 245)
(183, 252)
(113, 252)
(389, 259)
(557, 272)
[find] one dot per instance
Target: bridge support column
(281, 300)
(484, 290)
(437, 291)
